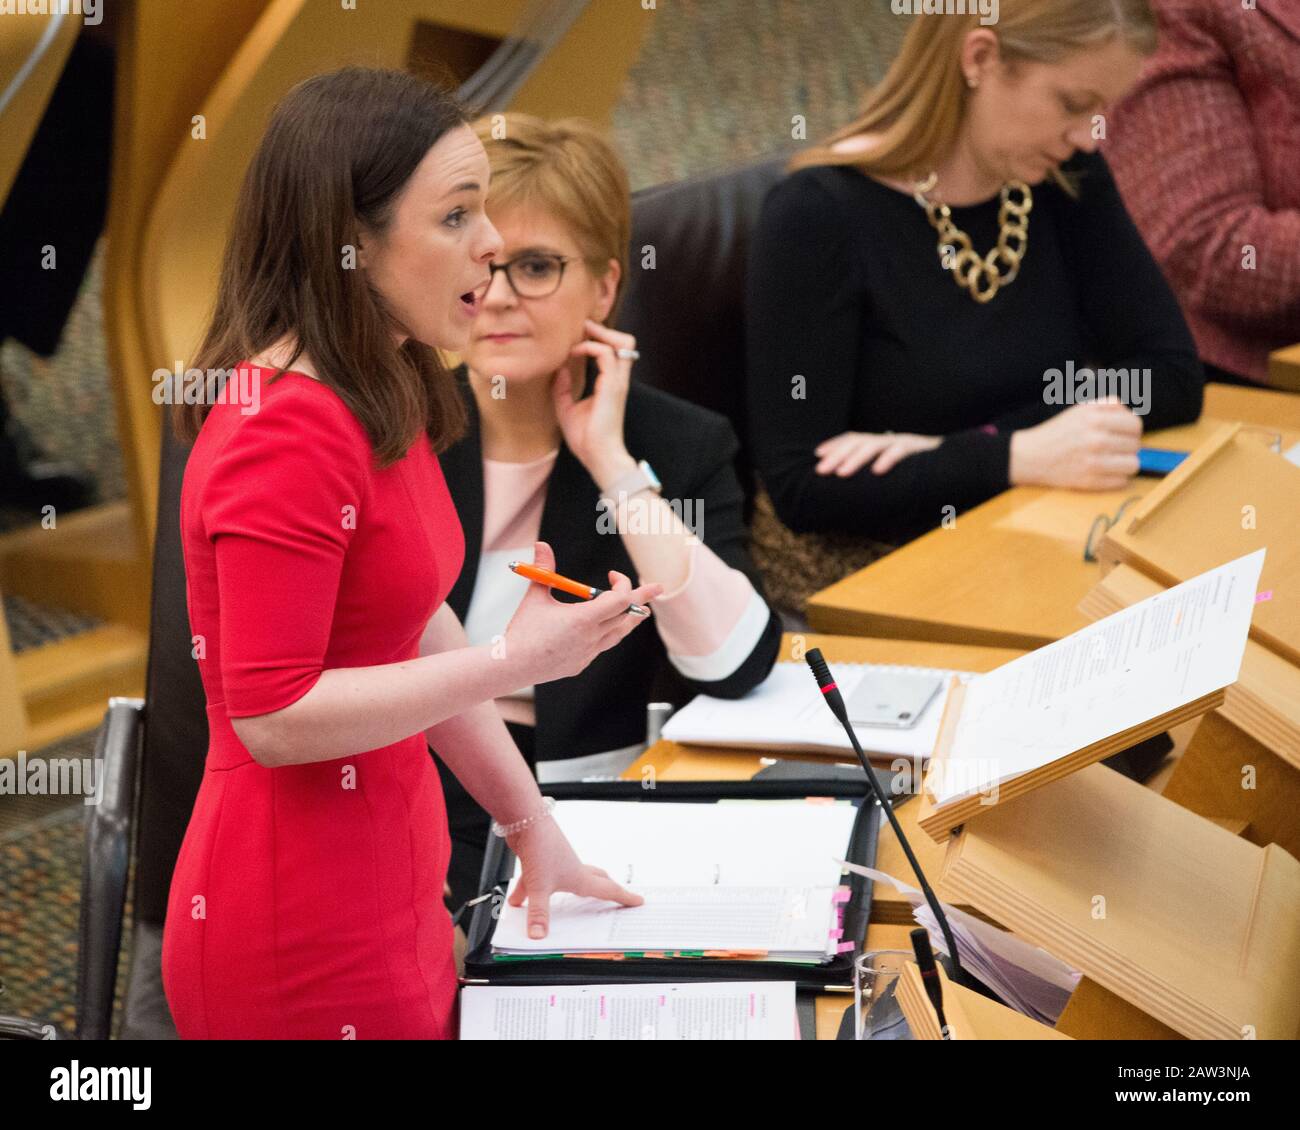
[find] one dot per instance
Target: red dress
(307, 899)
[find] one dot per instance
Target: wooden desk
(1011, 573)
(672, 761)
(1284, 368)
(1259, 407)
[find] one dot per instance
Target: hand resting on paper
(549, 864)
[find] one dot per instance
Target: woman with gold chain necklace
(941, 293)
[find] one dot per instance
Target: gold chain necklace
(983, 277)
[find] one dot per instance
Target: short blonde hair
(568, 169)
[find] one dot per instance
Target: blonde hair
(568, 169)
(917, 109)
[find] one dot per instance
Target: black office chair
(106, 860)
(687, 311)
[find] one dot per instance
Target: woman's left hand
(593, 428)
(549, 864)
(846, 454)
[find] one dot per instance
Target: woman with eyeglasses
(625, 480)
(942, 294)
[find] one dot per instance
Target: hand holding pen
(553, 639)
(554, 580)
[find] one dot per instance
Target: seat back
(685, 298)
(175, 740)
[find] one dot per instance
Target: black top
(846, 289)
(691, 450)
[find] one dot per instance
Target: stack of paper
(1027, 978)
(969, 1016)
(736, 1010)
(787, 711)
(758, 881)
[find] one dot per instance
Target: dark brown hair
(336, 155)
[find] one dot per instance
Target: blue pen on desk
(1158, 460)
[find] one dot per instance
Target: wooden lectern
(1232, 495)
(1180, 926)
(1194, 931)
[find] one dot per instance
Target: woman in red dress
(320, 542)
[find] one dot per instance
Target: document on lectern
(1096, 691)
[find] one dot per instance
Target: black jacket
(691, 450)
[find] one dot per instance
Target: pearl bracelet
(504, 830)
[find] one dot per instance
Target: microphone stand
(836, 702)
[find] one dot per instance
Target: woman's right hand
(547, 865)
(553, 639)
(1091, 446)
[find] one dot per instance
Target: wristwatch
(641, 477)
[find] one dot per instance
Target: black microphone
(835, 701)
(929, 975)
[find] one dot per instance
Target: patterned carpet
(41, 840)
(40, 867)
(32, 624)
(718, 83)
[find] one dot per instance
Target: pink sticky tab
(844, 947)
(837, 934)
(1260, 597)
(842, 894)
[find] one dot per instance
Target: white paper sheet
(1141, 662)
(784, 923)
(736, 1010)
(714, 877)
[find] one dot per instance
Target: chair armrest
(106, 864)
(16, 1028)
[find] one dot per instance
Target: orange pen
(553, 580)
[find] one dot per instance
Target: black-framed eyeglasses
(533, 274)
